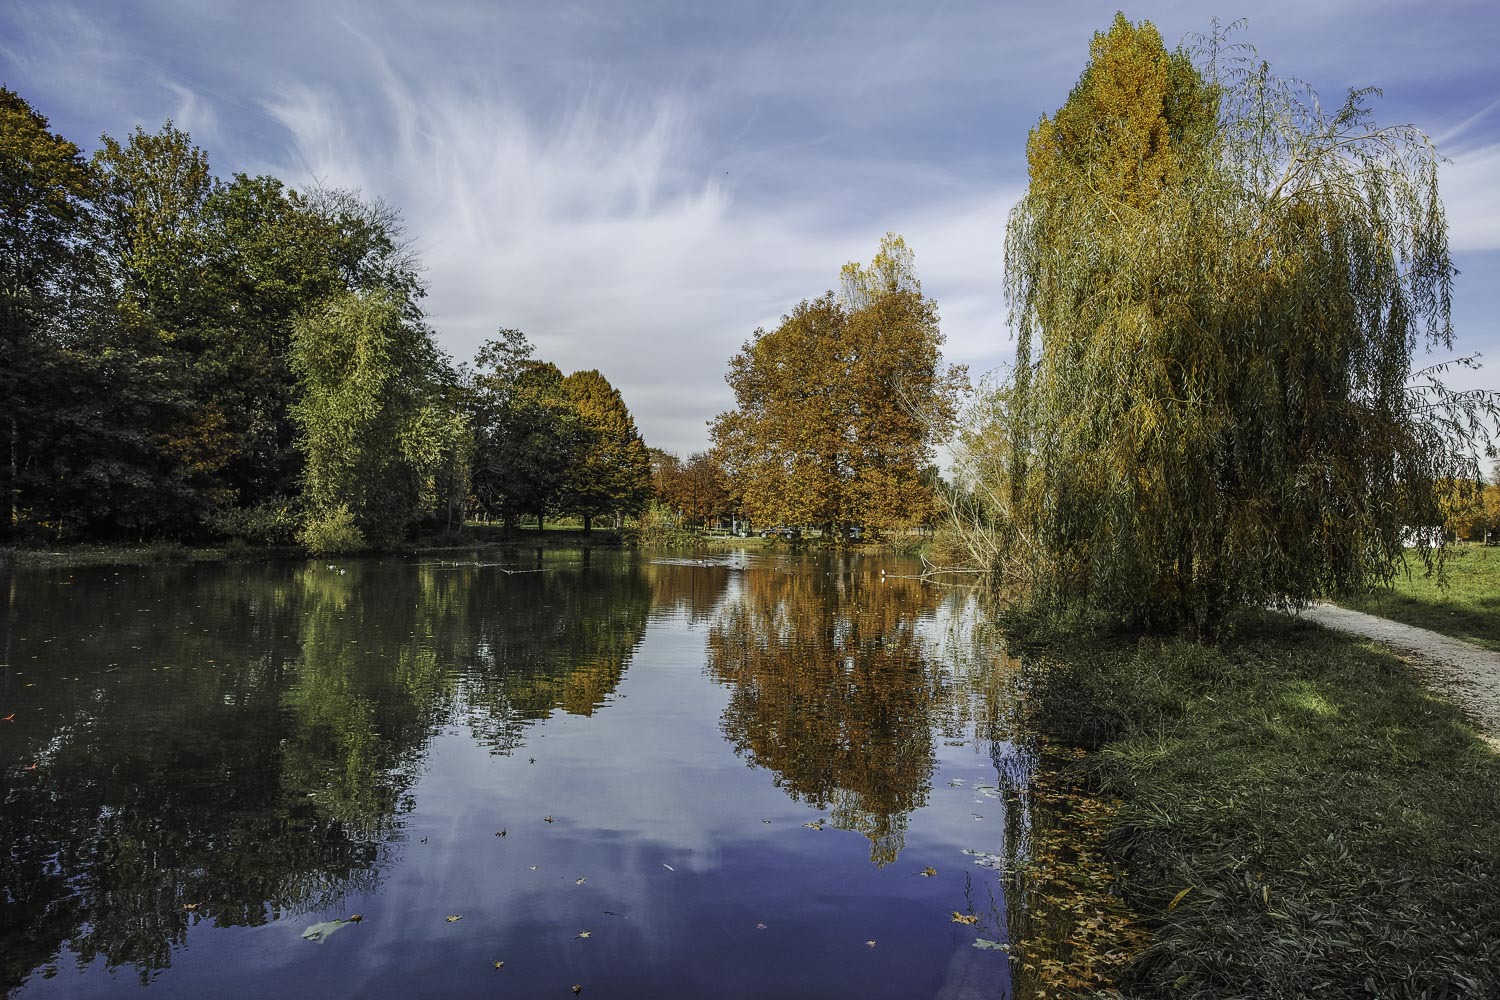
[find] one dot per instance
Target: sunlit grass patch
(1325, 827)
(1468, 609)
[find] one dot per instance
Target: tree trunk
(15, 486)
(588, 522)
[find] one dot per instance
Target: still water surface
(645, 776)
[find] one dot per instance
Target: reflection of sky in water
(685, 846)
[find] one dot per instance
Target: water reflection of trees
(539, 641)
(833, 689)
(254, 752)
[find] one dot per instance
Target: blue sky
(639, 185)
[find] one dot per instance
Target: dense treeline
(185, 356)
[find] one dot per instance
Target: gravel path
(1462, 672)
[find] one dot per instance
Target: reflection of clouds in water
(348, 716)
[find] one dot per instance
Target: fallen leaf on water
(534, 867)
(985, 945)
(816, 824)
(580, 881)
(760, 927)
(318, 933)
(964, 918)
(191, 906)
(499, 965)
(1179, 897)
(668, 867)
(454, 917)
(927, 872)
(869, 944)
(355, 918)
(547, 819)
(585, 935)
(577, 989)
(9, 718)
(499, 833)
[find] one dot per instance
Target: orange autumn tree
(840, 407)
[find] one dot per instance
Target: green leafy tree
(269, 253)
(370, 427)
(525, 430)
(839, 409)
(47, 231)
(611, 471)
(1217, 288)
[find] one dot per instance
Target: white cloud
(595, 233)
(1471, 197)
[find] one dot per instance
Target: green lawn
(1326, 827)
(1468, 609)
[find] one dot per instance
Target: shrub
(332, 533)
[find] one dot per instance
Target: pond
(731, 776)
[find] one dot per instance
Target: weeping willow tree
(1218, 288)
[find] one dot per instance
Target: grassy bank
(474, 538)
(1298, 817)
(1468, 609)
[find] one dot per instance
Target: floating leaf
(533, 867)
(927, 872)
(869, 944)
(191, 906)
(1179, 897)
(548, 819)
(986, 860)
(577, 989)
(499, 965)
(985, 945)
(585, 935)
(760, 927)
(964, 918)
(580, 881)
(320, 932)
(668, 867)
(454, 918)
(499, 833)
(816, 824)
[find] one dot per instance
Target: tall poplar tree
(611, 471)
